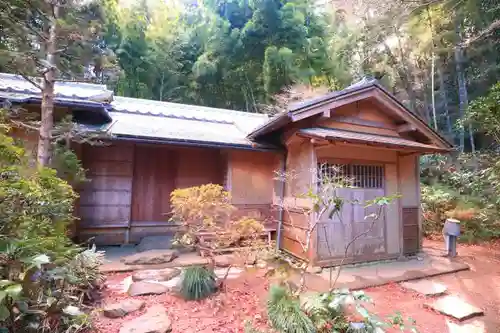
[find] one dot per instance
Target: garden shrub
(285, 314)
(465, 187)
(208, 208)
(44, 277)
(198, 282)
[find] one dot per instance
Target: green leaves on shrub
(198, 283)
(285, 314)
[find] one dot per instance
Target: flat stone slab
(155, 320)
(476, 326)
(164, 274)
(152, 257)
(121, 309)
(425, 287)
(146, 288)
(455, 307)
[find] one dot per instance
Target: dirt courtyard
(245, 299)
(480, 286)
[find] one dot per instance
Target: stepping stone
(425, 287)
(151, 257)
(156, 274)
(121, 309)
(146, 288)
(190, 259)
(475, 326)
(454, 307)
(155, 320)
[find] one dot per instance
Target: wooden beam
(406, 128)
(326, 107)
(362, 122)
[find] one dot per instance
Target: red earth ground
(244, 299)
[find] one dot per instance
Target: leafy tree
(52, 40)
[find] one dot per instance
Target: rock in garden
(164, 274)
(148, 243)
(455, 307)
(151, 257)
(155, 320)
(121, 309)
(425, 287)
(146, 288)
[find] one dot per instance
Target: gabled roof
(333, 134)
(358, 91)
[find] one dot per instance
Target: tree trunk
(433, 69)
(47, 107)
(462, 90)
(444, 97)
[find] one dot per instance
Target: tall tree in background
(51, 40)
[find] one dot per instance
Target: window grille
(356, 175)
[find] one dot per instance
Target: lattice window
(357, 175)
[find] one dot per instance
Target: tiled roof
(146, 119)
(365, 138)
(11, 83)
(171, 121)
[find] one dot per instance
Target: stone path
(455, 307)
(449, 305)
(155, 281)
(425, 287)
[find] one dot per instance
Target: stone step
(425, 287)
(455, 307)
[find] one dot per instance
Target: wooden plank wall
(105, 200)
(128, 196)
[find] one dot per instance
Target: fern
(198, 283)
(285, 314)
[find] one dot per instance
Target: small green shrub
(285, 314)
(198, 282)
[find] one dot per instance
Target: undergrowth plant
(45, 280)
(198, 282)
(465, 187)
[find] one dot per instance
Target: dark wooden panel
(102, 215)
(108, 168)
(105, 198)
(293, 247)
(118, 183)
(296, 219)
(153, 181)
(118, 152)
(411, 232)
(199, 166)
(103, 236)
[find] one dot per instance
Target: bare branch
(483, 34)
(24, 125)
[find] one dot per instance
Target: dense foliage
(44, 277)
(465, 188)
